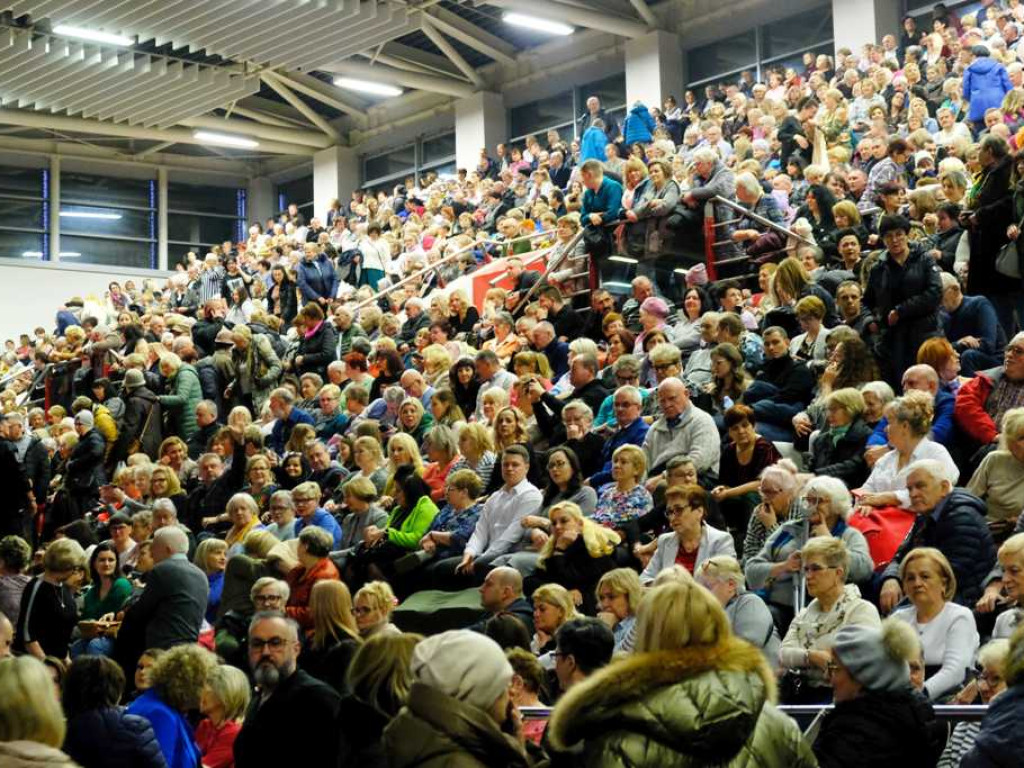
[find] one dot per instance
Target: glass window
(202, 198)
(724, 56)
(110, 222)
(537, 116)
(22, 214)
(611, 91)
(24, 182)
(438, 148)
(190, 228)
(298, 191)
(116, 253)
(100, 190)
(402, 160)
(796, 33)
(22, 245)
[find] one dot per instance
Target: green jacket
(181, 404)
(407, 531)
(697, 706)
(437, 731)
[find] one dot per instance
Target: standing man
(316, 277)
(595, 112)
(287, 703)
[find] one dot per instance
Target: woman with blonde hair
(477, 451)
(328, 652)
(791, 283)
(463, 315)
(577, 553)
(49, 612)
(374, 603)
(553, 605)
(32, 724)
(402, 450)
(177, 679)
(223, 703)
(685, 652)
(211, 558)
(618, 597)
(174, 454)
(369, 458)
(244, 515)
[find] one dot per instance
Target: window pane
(25, 182)
(298, 191)
(92, 220)
(199, 229)
(15, 245)
(724, 56)
(400, 161)
(100, 190)
(797, 32)
(538, 116)
(202, 198)
(118, 253)
(26, 214)
(611, 91)
(438, 148)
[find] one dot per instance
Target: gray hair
(749, 183)
(705, 155)
(879, 389)
(291, 624)
(173, 538)
(269, 581)
(934, 468)
(210, 406)
(165, 504)
(834, 490)
(581, 408)
(629, 391)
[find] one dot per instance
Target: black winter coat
(111, 738)
(16, 489)
(37, 468)
(878, 729)
(844, 458)
(84, 473)
(139, 425)
(962, 535)
(576, 568)
(330, 664)
(318, 351)
(914, 291)
(993, 210)
(203, 335)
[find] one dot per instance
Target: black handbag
(597, 241)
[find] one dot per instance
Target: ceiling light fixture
(90, 215)
(92, 35)
(225, 139)
(367, 86)
(623, 259)
(536, 24)
(32, 254)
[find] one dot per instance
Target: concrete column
(654, 69)
(480, 121)
(857, 21)
(335, 175)
(261, 199)
(54, 208)
(161, 218)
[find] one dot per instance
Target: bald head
(502, 587)
(673, 397)
(169, 541)
(922, 378)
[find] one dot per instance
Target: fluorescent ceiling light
(225, 139)
(32, 254)
(616, 284)
(93, 35)
(90, 215)
(69, 254)
(536, 24)
(623, 259)
(367, 86)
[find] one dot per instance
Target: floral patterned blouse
(615, 508)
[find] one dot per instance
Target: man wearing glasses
(982, 401)
(627, 403)
(286, 700)
(904, 292)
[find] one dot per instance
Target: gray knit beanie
(877, 657)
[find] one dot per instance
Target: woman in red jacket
(223, 703)
(314, 545)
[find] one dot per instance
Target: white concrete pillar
(261, 199)
(54, 208)
(480, 121)
(335, 175)
(858, 21)
(654, 69)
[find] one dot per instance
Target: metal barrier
(952, 713)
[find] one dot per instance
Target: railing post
(709, 240)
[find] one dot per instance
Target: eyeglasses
(299, 500)
(817, 568)
(676, 511)
(662, 367)
(1015, 350)
(274, 643)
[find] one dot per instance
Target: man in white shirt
(498, 530)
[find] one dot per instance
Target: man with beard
(286, 701)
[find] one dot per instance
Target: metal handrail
(569, 248)
(760, 219)
(945, 712)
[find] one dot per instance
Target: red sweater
(217, 744)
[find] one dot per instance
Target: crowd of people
(802, 483)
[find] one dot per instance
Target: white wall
(31, 293)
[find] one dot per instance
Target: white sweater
(950, 640)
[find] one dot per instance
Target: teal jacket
(181, 403)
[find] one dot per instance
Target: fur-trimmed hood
(702, 701)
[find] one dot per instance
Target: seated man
(782, 389)
(682, 430)
(982, 401)
(971, 326)
(951, 520)
(853, 313)
(586, 387)
(631, 429)
(502, 592)
(921, 378)
(560, 313)
(584, 645)
(553, 348)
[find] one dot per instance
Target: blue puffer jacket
(985, 84)
(639, 125)
(104, 738)
(1001, 740)
(593, 145)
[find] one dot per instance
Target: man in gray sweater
(682, 430)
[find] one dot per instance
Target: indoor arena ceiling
(260, 69)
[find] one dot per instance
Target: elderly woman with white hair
(779, 492)
(748, 615)
(999, 479)
(778, 566)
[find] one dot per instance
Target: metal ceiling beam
(313, 139)
(391, 76)
(261, 117)
(154, 149)
(304, 109)
(412, 59)
(450, 52)
(97, 128)
(644, 12)
(469, 34)
(321, 91)
(580, 17)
